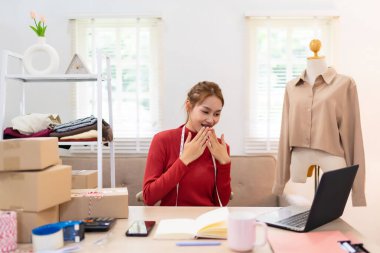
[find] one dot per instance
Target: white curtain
(133, 45)
(278, 48)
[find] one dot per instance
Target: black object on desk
(140, 228)
(98, 224)
(353, 248)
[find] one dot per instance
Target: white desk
(118, 242)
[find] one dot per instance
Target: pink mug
(242, 231)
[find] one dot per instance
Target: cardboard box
(35, 191)
(84, 179)
(26, 221)
(28, 153)
(110, 202)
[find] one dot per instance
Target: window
(278, 48)
(133, 46)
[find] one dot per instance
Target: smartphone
(140, 228)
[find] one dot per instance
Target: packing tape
(47, 237)
(8, 231)
(10, 163)
(11, 157)
(73, 230)
(67, 231)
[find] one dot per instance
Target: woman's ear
(188, 106)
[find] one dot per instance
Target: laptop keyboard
(298, 220)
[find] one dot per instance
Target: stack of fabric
(32, 125)
(45, 125)
(82, 130)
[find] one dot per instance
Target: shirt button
(308, 109)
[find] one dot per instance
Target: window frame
(133, 144)
(254, 144)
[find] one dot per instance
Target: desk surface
(116, 241)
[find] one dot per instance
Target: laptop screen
(328, 204)
(331, 196)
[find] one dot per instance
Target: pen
(199, 243)
(103, 239)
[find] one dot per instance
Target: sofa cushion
(251, 177)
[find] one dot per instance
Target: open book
(212, 224)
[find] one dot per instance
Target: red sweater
(196, 181)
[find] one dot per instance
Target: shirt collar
(327, 76)
(187, 130)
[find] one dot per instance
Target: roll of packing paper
(8, 231)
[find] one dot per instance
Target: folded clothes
(85, 135)
(107, 133)
(81, 140)
(35, 122)
(10, 133)
(75, 124)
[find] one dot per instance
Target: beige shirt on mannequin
(325, 117)
(302, 158)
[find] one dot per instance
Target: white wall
(206, 40)
(359, 56)
(202, 40)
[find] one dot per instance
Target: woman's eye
(205, 112)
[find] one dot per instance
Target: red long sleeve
(196, 181)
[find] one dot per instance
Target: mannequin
(316, 65)
(320, 126)
(303, 158)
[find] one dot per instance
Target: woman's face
(205, 114)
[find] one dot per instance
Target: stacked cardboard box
(26, 221)
(107, 202)
(84, 179)
(28, 154)
(32, 182)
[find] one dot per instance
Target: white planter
(41, 46)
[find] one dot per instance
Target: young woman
(189, 165)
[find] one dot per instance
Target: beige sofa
(252, 177)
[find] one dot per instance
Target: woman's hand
(217, 149)
(194, 148)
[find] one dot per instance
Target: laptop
(328, 204)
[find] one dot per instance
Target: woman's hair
(203, 90)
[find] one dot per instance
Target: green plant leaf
(34, 29)
(43, 31)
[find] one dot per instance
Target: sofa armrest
(139, 197)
